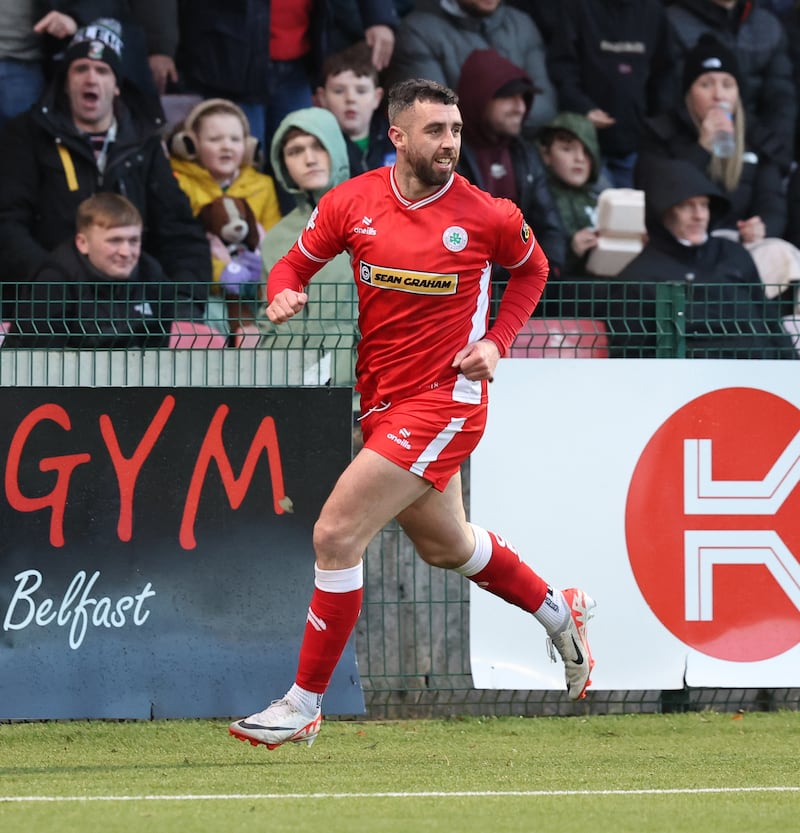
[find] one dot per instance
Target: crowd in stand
(216, 126)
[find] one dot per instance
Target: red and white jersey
(423, 274)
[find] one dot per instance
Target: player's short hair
(107, 210)
(404, 94)
(356, 59)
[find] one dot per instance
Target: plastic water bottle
(724, 142)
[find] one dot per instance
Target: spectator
(727, 314)
(746, 172)
(212, 155)
(344, 25)
(494, 98)
(612, 61)
(309, 157)
(791, 25)
(759, 41)
(571, 154)
(545, 14)
(750, 176)
(435, 45)
(351, 91)
(22, 71)
(34, 30)
(267, 55)
(99, 290)
(86, 136)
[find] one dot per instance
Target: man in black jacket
(91, 132)
(495, 96)
(98, 290)
(721, 309)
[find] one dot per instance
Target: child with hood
(571, 154)
(309, 157)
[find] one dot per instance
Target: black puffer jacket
(48, 168)
(726, 314)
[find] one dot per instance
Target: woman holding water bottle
(711, 130)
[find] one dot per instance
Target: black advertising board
(155, 548)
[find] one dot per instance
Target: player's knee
(334, 546)
(443, 558)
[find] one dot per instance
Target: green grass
(405, 776)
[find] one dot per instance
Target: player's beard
(425, 172)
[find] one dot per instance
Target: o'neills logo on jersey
(418, 283)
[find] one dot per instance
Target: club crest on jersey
(525, 232)
(455, 239)
(404, 280)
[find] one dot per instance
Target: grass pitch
(687, 773)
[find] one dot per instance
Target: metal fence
(413, 636)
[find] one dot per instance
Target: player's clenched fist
(285, 304)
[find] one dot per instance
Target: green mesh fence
(413, 636)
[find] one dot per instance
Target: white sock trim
(554, 612)
(306, 701)
(480, 555)
(340, 581)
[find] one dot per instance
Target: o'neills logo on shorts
(418, 283)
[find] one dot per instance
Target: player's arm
(286, 284)
(527, 279)
(288, 278)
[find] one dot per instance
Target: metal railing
(413, 636)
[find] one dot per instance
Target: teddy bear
(231, 221)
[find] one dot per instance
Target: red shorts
(428, 434)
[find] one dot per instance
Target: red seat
(193, 334)
(561, 339)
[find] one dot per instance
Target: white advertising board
(667, 489)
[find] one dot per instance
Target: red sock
(510, 578)
(331, 619)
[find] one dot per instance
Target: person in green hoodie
(570, 151)
(309, 157)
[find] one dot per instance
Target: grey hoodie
(326, 330)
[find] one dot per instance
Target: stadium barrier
(413, 638)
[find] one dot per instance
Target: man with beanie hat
(756, 36)
(495, 97)
(93, 131)
(99, 41)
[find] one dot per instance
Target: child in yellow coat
(212, 155)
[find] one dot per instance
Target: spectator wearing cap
(92, 132)
(758, 39)
(612, 61)
(750, 178)
(495, 97)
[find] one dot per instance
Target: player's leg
(437, 525)
(369, 494)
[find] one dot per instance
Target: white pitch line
(460, 794)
